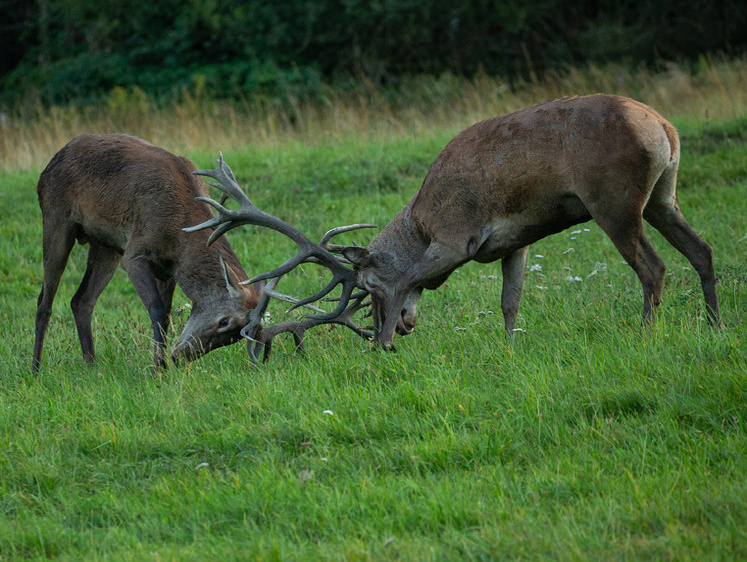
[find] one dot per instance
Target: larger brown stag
(507, 182)
(130, 200)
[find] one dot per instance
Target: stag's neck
(402, 241)
(200, 274)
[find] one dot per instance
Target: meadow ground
(584, 438)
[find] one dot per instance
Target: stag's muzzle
(186, 351)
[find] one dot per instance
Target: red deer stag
(130, 200)
(507, 182)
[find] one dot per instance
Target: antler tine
(340, 229)
(346, 318)
(310, 255)
(247, 214)
(347, 291)
(293, 300)
(261, 340)
(336, 248)
(358, 295)
(226, 181)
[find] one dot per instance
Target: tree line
(76, 50)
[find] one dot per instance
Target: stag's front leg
(145, 283)
(513, 268)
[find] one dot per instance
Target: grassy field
(585, 438)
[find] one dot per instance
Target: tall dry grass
(30, 135)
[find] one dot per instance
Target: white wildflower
(305, 475)
(599, 266)
(536, 267)
(568, 251)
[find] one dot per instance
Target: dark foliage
(67, 50)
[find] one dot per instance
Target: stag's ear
(357, 255)
(228, 276)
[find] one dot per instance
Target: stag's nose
(406, 324)
(183, 352)
(177, 356)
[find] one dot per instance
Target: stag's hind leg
(669, 220)
(672, 225)
(56, 246)
(102, 263)
(625, 229)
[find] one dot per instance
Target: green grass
(586, 438)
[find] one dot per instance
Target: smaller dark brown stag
(505, 183)
(129, 200)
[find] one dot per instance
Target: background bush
(76, 50)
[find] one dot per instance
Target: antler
(309, 251)
(260, 338)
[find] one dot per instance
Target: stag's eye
(223, 323)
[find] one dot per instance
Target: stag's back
(114, 187)
(537, 164)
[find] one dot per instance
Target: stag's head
(216, 319)
(394, 298)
